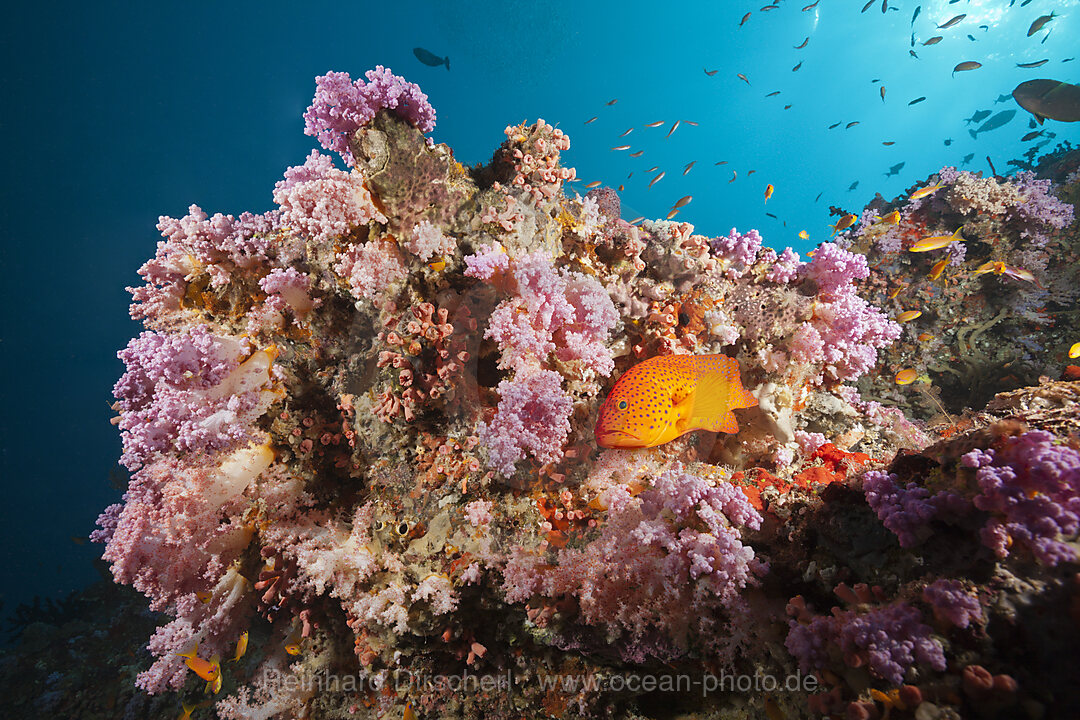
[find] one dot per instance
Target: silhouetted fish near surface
(917, 100)
(797, 66)
(1049, 99)
(811, 6)
(711, 73)
(1003, 98)
(1039, 22)
(947, 141)
(1037, 63)
(818, 196)
(971, 37)
(979, 116)
(773, 93)
(913, 54)
(918, 9)
(772, 216)
(853, 186)
(895, 169)
(1031, 135)
(867, 6)
(803, 44)
(999, 120)
(851, 124)
(967, 158)
(949, 23)
(429, 58)
(834, 126)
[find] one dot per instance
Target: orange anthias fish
(208, 670)
(844, 223)
(768, 192)
(936, 242)
(664, 397)
(928, 190)
(892, 218)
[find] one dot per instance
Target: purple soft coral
(341, 106)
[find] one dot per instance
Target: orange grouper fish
(664, 397)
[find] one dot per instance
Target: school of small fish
(939, 34)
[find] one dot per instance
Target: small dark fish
(967, 158)
(818, 196)
(803, 44)
(867, 5)
(1068, 59)
(966, 65)
(637, 154)
(853, 186)
(972, 38)
(734, 176)
(995, 122)
(628, 131)
(917, 100)
(953, 2)
(612, 102)
(918, 9)
(429, 58)
(720, 162)
(1039, 22)
(1003, 98)
(933, 41)
(1037, 63)
(797, 66)
(743, 78)
(912, 54)
(1032, 124)
(592, 119)
(882, 88)
(772, 216)
(1031, 135)
(884, 6)
(744, 19)
(895, 169)
(1025, 3)
(947, 142)
(769, 7)
(984, 28)
(773, 93)
(690, 122)
(811, 7)
(834, 126)
(787, 107)
(851, 124)
(1045, 37)
(888, 142)
(913, 39)
(952, 21)
(876, 80)
(750, 172)
(979, 116)
(688, 166)
(710, 73)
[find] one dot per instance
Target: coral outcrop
(360, 428)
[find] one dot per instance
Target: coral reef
(360, 428)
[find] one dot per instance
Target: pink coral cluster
(322, 202)
(671, 558)
(341, 106)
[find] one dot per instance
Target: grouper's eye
(622, 404)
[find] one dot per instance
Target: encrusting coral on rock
(360, 428)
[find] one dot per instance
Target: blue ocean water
(116, 113)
